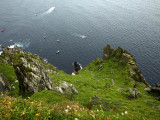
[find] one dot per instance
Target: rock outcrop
(153, 89)
(4, 84)
(124, 58)
(66, 88)
(29, 69)
(134, 93)
(32, 72)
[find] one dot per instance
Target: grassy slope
(91, 82)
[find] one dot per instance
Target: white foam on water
(45, 59)
(1, 52)
(73, 73)
(11, 46)
(50, 10)
(80, 66)
(79, 35)
(83, 36)
(20, 44)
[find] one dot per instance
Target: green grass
(91, 82)
(97, 99)
(48, 97)
(8, 72)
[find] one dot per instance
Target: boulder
(66, 88)
(134, 93)
(148, 89)
(120, 89)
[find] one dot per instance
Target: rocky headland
(101, 82)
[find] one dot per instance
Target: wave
(79, 35)
(23, 45)
(11, 46)
(45, 59)
(50, 10)
(1, 52)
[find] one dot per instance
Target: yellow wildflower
(37, 115)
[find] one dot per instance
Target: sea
(64, 31)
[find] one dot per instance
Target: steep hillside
(111, 87)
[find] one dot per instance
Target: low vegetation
(102, 95)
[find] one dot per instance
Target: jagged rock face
(32, 74)
(32, 78)
(124, 58)
(4, 84)
(29, 69)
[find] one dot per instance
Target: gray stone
(120, 89)
(113, 82)
(66, 88)
(31, 74)
(134, 93)
(148, 89)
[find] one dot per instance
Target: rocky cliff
(32, 72)
(111, 87)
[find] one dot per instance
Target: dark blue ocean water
(83, 28)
